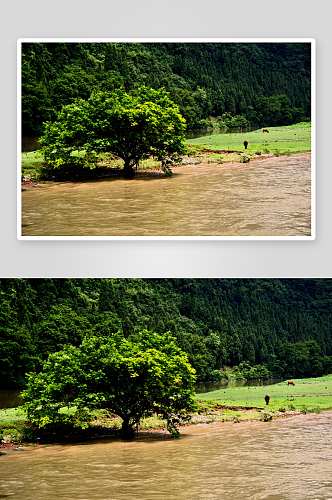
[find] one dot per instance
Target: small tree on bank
(131, 379)
(133, 127)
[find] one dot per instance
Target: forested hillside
(282, 326)
(239, 84)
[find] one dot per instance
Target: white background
(165, 19)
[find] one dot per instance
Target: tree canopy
(135, 126)
(130, 379)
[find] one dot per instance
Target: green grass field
(307, 395)
(279, 141)
(12, 423)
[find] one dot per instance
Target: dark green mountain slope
(283, 325)
(261, 84)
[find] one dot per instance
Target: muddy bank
(202, 419)
(191, 428)
(193, 163)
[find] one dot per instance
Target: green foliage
(227, 120)
(261, 326)
(257, 372)
(62, 326)
(72, 83)
(133, 126)
(302, 359)
(275, 110)
(36, 103)
(131, 379)
(244, 81)
(17, 352)
(266, 417)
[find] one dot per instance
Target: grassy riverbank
(280, 141)
(247, 403)
(235, 404)
(217, 148)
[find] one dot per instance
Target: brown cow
(266, 130)
(245, 144)
(267, 399)
(290, 383)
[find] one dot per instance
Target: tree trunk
(127, 429)
(128, 169)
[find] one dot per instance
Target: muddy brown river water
(270, 197)
(287, 459)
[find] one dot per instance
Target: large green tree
(133, 126)
(131, 379)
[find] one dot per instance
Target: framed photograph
(166, 139)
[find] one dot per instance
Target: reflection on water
(285, 460)
(10, 399)
(30, 144)
(202, 387)
(270, 197)
(194, 134)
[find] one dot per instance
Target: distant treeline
(239, 84)
(279, 327)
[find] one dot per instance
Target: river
(268, 197)
(10, 399)
(288, 459)
(202, 387)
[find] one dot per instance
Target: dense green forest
(238, 84)
(257, 326)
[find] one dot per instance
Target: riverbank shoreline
(236, 405)
(206, 165)
(191, 164)
(185, 430)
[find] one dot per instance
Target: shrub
(13, 435)
(30, 434)
(266, 417)
(216, 375)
